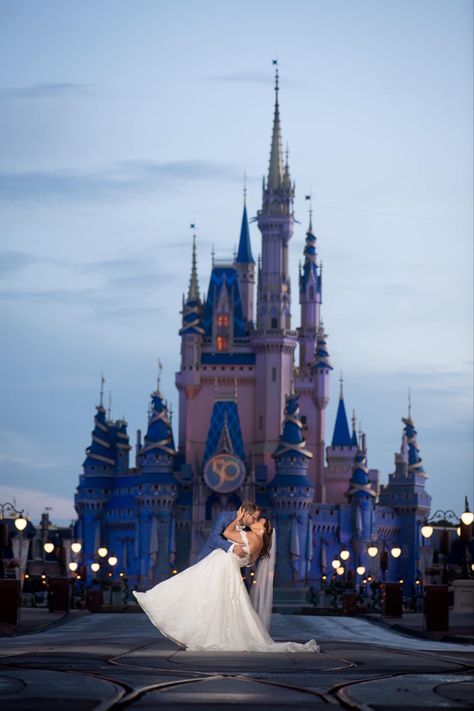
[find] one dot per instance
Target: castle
(252, 426)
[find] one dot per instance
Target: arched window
(222, 343)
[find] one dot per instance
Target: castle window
(274, 323)
(222, 343)
(223, 320)
(311, 292)
(274, 375)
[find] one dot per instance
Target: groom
(217, 540)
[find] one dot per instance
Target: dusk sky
(122, 122)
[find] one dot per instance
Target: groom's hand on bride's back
(238, 550)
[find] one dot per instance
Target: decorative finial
(341, 388)
(277, 87)
(360, 430)
(158, 379)
(245, 188)
(310, 197)
(409, 403)
(102, 381)
(235, 251)
(110, 405)
(213, 253)
(353, 420)
(171, 414)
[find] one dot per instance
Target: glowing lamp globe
(344, 555)
(340, 570)
(48, 547)
(95, 567)
(396, 552)
(76, 547)
(372, 551)
(21, 523)
(336, 564)
(113, 560)
(427, 531)
(360, 570)
(467, 518)
(102, 551)
(72, 566)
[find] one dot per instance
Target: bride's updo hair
(267, 539)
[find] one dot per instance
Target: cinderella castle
(253, 391)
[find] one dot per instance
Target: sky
(123, 122)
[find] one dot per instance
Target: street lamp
(73, 566)
(95, 567)
(344, 555)
(396, 552)
(102, 552)
(48, 547)
(448, 520)
(76, 547)
(336, 563)
(20, 525)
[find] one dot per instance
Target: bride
(207, 608)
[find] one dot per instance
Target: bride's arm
(230, 533)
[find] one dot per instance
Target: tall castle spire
(276, 167)
(193, 291)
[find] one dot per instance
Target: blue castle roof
(225, 416)
(360, 485)
(244, 253)
(101, 451)
(224, 277)
(291, 441)
(310, 269)
(321, 356)
(159, 436)
(342, 436)
(414, 458)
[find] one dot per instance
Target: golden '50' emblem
(224, 473)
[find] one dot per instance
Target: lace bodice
(245, 561)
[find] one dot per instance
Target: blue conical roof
(244, 253)
(159, 436)
(414, 459)
(102, 448)
(341, 436)
(360, 484)
(291, 440)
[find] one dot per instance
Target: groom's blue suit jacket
(216, 539)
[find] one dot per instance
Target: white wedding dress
(207, 608)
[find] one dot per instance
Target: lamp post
(373, 551)
(20, 525)
(448, 520)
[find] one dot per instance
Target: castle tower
(340, 458)
(274, 342)
(95, 486)
(157, 493)
(361, 497)
(310, 301)
(292, 494)
(188, 379)
(245, 265)
(405, 494)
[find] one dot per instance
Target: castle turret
(292, 494)
(310, 300)
(405, 494)
(95, 484)
(340, 457)
(274, 342)
(245, 265)
(158, 492)
(188, 379)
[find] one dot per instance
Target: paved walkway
(118, 661)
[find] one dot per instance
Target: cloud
(11, 261)
(248, 77)
(128, 177)
(47, 90)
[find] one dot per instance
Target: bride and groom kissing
(206, 607)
